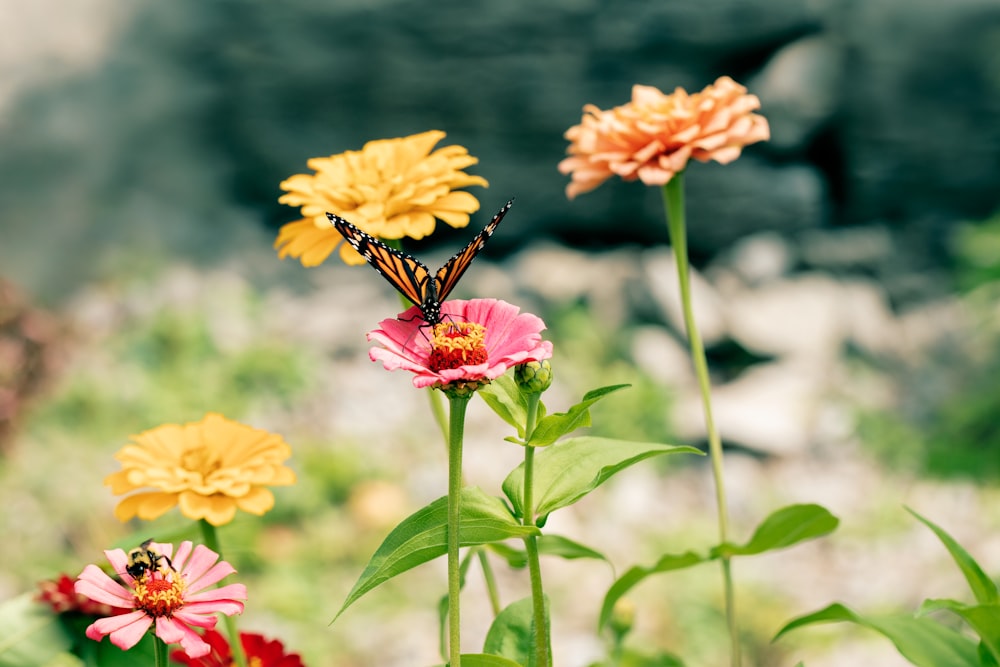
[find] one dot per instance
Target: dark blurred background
(135, 124)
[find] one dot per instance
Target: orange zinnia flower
(652, 137)
(391, 188)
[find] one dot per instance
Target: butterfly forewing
(404, 272)
(449, 274)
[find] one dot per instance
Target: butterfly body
(409, 275)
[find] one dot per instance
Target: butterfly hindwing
(408, 274)
(448, 275)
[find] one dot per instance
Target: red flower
(260, 652)
(63, 598)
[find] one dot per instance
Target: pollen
(456, 344)
(159, 596)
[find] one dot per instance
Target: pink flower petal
(227, 593)
(119, 559)
(193, 617)
(173, 631)
(126, 630)
(99, 587)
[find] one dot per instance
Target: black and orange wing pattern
(408, 274)
(449, 274)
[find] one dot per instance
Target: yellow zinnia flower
(208, 468)
(391, 188)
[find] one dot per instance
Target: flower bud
(533, 377)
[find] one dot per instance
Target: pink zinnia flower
(476, 341)
(172, 594)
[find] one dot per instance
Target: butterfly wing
(404, 272)
(449, 274)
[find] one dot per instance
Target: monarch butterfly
(411, 276)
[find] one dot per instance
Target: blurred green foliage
(947, 422)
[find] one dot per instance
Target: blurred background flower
(209, 469)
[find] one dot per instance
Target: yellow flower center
(201, 460)
(159, 596)
(455, 344)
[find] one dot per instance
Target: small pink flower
(172, 594)
(476, 341)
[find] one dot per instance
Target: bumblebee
(147, 558)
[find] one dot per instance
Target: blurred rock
(801, 83)
(175, 136)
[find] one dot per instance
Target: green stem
(491, 581)
(673, 201)
(531, 542)
(159, 652)
(456, 432)
(211, 538)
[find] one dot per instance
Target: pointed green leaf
(512, 634)
(571, 469)
(984, 619)
(32, 634)
(637, 573)
(516, 558)
(783, 528)
(982, 586)
(422, 537)
(484, 660)
(548, 545)
(557, 545)
(551, 428)
(505, 399)
(922, 641)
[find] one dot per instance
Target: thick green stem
(211, 539)
(673, 201)
(456, 432)
(159, 652)
(531, 542)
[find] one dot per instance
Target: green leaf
(921, 640)
(783, 528)
(512, 634)
(32, 634)
(483, 660)
(637, 573)
(548, 545)
(551, 428)
(983, 618)
(516, 558)
(557, 545)
(423, 536)
(505, 399)
(571, 469)
(982, 586)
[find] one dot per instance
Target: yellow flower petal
(146, 506)
(216, 509)
(258, 501)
